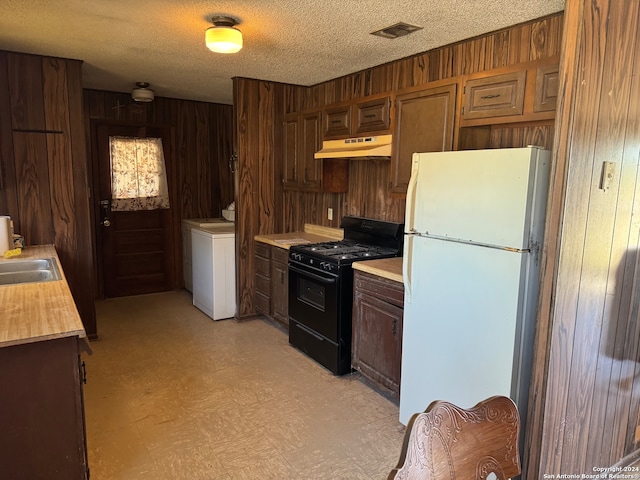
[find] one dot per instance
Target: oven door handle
(312, 275)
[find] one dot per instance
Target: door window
(138, 174)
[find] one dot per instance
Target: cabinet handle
(394, 327)
(370, 115)
(495, 95)
(84, 373)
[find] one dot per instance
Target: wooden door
(424, 123)
(135, 248)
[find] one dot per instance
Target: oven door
(313, 299)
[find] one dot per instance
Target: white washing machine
(187, 225)
(214, 270)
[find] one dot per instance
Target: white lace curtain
(138, 175)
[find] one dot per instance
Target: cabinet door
(424, 123)
(310, 141)
(290, 153)
(377, 341)
(546, 88)
(280, 285)
(41, 411)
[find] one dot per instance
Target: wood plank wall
(204, 143)
(43, 168)
(269, 209)
(369, 184)
(589, 393)
(203, 139)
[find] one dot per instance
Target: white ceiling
(302, 42)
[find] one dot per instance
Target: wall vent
(400, 29)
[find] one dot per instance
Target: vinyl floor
(171, 394)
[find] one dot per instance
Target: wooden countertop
(389, 268)
(32, 312)
(311, 234)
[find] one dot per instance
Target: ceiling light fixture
(223, 37)
(143, 93)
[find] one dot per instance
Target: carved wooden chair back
(447, 442)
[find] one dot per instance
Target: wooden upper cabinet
(367, 116)
(302, 139)
(424, 123)
(372, 116)
(546, 88)
(495, 96)
(516, 94)
(337, 122)
(291, 150)
(311, 142)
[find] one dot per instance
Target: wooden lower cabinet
(377, 331)
(42, 411)
(280, 285)
(272, 282)
(263, 278)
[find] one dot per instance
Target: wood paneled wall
(261, 105)
(587, 389)
(203, 139)
(522, 43)
(369, 192)
(43, 167)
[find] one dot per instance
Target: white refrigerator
(473, 236)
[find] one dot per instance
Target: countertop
(389, 268)
(218, 228)
(311, 234)
(32, 312)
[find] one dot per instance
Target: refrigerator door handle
(411, 196)
(406, 267)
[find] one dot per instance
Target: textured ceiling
(302, 42)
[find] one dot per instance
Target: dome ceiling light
(143, 93)
(223, 37)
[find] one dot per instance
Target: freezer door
(494, 197)
(461, 324)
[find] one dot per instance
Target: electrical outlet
(330, 213)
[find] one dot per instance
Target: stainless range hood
(358, 148)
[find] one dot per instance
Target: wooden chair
(447, 442)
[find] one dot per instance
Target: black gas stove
(321, 288)
(330, 256)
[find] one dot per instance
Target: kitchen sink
(29, 271)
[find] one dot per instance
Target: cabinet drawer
(280, 255)
(262, 249)
(373, 115)
(337, 122)
(263, 285)
(495, 96)
(263, 304)
(381, 288)
(263, 267)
